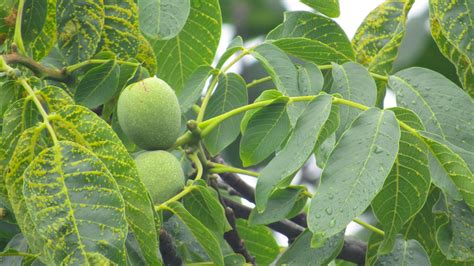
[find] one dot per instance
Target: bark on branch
(37, 68)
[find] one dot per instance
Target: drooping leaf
(203, 204)
(80, 125)
(194, 46)
(279, 205)
(230, 93)
(98, 85)
(120, 33)
(455, 231)
(259, 241)
(312, 37)
(354, 173)
(300, 252)
(193, 87)
(297, 150)
(406, 187)
(79, 26)
(265, 132)
(75, 205)
(353, 82)
(163, 19)
(38, 28)
(283, 72)
(405, 252)
(329, 8)
(378, 38)
(200, 232)
(237, 44)
(451, 27)
(453, 164)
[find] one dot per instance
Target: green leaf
(329, 8)
(200, 232)
(354, 83)
(282, 71)
(259, 241)
(266, 95)
(237, 44)
(120, 34)
(436, 100)
(78, 124)
(75, 205)
(79, 26)
(406, 187)
(195, 45)
(455, 232)
(327, 139)
(38, 28)
(98, 85)
(355, 173)
(378, 38)
(193, 87)
(230, 94)
(451, 27)
(162, 19)
(405, 252)
(265, 132)
(453, 164)
(146, 56)
(300, 251)
(310, 79)
(312, 37)
(15, 252)
(280, 204)
(297, 150)
(202, 202)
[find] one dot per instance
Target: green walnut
(149, 114)
(161, 173)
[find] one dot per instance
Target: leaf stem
(258, 81)
(195, 159)
(184, 192)
(369, 227)
(41, 109)
(17, 34)
(218, 168)
(186, 138)
(377, 76)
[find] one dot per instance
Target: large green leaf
(297, 150)
(266, 95)
(300, 251)
(146, 56)
(38, 28)
(406, 187)
(230, 94)
(455, 230)
(329, 8)
(353, 82)
(451, 27)
(163, 19)
(78, 124)
(79, 27)
(193, 88)
(237, 44)
(265, 132)
(75, 205)
(203, 203)
(205, 237)
(98, 85)
(259, 241)
(378, 38)
(194, 46)
(120, 34)
(312, 37)
(405, 252)
(355, 173)
(454, 166)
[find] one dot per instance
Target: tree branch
(37, 68)
(168, 249)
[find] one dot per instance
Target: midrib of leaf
(368, 157)
(99, 85)
(334, 50)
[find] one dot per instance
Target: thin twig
(37, 68)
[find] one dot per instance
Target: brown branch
(168, 249)
(37, 68)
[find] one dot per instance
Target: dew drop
(328, 211)
(332, 223)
